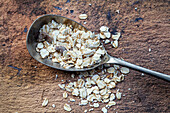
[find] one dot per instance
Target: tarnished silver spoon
(45, 19)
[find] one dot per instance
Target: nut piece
(65, 95)
(124, 70)
(83, 16)
(45, 102)
(104, 110)
(67, 107)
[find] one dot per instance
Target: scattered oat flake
(83, 16)
(104, 110)
(111, 103)
(53, 105)
(72, 75)
(85, 111)
(142, 74)
(96, 105)
(67, 107)
(65, 95)
(124, 70)
(91, 109)
(45, 102)
(118, 95)
(129, 88)
(149, 49)
(72, 100)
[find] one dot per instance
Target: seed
(45, 102)
(67, 107)
(83, 16)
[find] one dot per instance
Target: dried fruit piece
(45, 102)
(65, 95)
(124, 70)
(104, 110)
(83, 16)
(67, 107)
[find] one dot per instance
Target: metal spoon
(32, 42)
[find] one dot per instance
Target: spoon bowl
(33, 34)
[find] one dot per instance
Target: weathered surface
(25, 91)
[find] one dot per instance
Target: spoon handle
(127, 64)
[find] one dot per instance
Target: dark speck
(51, 10)
(136, 2)
(137, 19)
(3, 44)
(108, 15)
(59, 8)
(67, 11)
(67, 1)
(71, 11)
(114, 31)
(25, 29)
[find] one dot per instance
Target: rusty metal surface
(25, 82)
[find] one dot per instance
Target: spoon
(31, 42)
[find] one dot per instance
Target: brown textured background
(24, 92)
